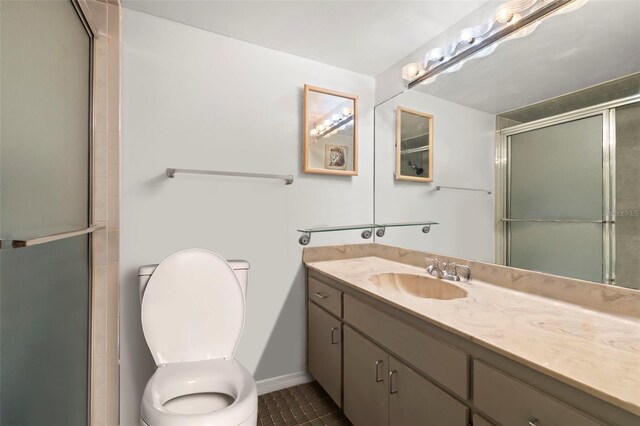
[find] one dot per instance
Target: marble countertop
(596, 352)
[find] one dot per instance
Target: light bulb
(314, 132)
(327, 123)
(504, 15)
(320, 127)
(410, 71)
(467, 36)
(515, 18)
(346, 111)
(335, 118)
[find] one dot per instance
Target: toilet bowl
(192, 311)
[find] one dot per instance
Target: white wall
(463, 154)
(194, 99)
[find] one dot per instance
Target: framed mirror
(414, 145)
(330, 132)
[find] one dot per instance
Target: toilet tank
(240, 267)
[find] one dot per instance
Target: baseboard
(281, 382)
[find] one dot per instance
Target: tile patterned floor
(307, 404)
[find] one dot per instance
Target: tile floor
(307, 404)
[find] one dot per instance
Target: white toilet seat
(225, 376)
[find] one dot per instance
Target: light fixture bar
(333, 127)
(497, 36)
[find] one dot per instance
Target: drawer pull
(393, 386)
(379, 377)
(320, 295)
(533, 422)
(334, 341)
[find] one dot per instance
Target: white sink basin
(419, 286)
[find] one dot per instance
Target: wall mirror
(414, 145)
(330, 132)
(537, 160)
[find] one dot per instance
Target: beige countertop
(596, 352)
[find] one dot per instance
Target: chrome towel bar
(171, 173)
(556, 220)
(5, 244)
(439, 187)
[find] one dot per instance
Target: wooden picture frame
(337, 114)
(418, 167)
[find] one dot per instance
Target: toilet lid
(193, 308)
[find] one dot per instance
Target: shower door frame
(91, 32)
(607, 111)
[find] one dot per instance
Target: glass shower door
(555, 212)
(45, 98)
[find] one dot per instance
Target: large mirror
(538, 152)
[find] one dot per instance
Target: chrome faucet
(434, 269)
(448, 271)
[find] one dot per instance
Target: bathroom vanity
(392, 345)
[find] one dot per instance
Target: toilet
(192, 311)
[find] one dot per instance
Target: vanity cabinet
(385, 367)
(413, 398)
(380, 390)
(366, 381)
(325, 351)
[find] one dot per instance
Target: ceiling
(367, 37)
(569, 52)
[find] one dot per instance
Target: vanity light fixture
(325, 126)
(508, 21)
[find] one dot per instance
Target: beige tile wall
(104, 17)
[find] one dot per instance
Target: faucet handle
(432, 262)
(466, 276)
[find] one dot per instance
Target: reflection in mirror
(330, 132)
(414, 145)
(551, 121)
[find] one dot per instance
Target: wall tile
(99, 287)
(113, 420)
(100, 156)
(99, 331)
(100, 199)
(114, 245)
(99, 375)
(114, 212)
(100, 85)
(112, 332)
(100, 248)
(113, 290)
(114, 68)
(114, 147)
(114, 180)
(99, 412)
(112, 390)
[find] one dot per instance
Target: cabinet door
(413, 400)
(365, 381)
(325, 351)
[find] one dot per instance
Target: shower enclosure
(572, 187)
(45, 170)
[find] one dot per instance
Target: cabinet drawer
(512, 402)
(326, 296)
(445, 364)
